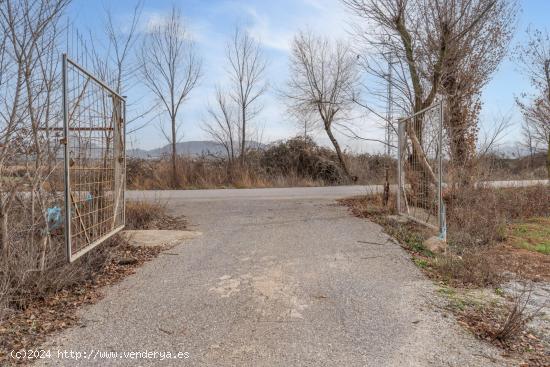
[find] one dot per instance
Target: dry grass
(492, 232)
(478, 216)
(496, 167)
(29, 322)
(149, 215)
(295, 162)
(503, 322)
(478, 219)
(472, 269)
(37, 303)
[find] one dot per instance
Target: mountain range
(188, 148)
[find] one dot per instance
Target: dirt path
(276, 280)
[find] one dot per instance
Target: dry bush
(498, 167)
(22, 281)
(199, 172)
(302, 157)
(29, 285)
(371, 168)
(476, 217)
(23, 277)
(52, 296)
(55, 311)
(479, 215)
(372, 206)
(504, 323)
(140, 214)
(293, 162)
(151, 215)
(473, 268)
(517, 316)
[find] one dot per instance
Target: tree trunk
(548, 158)
(4, 243)
(174, 155)
(243, 138)
(338, 151)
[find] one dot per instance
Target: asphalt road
(280, 277)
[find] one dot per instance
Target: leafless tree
(119, 58)
(247, 67)
(29, 91)
(529, 141)
(306, 121)
(236, 105)
(437, 48)
(323, 81)
(222, 126)
(171, 69)
(534, 58)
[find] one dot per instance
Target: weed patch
(46, 302)
(494, 234)
(532, 235)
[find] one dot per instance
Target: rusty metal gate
(420, 168)
(94, 157)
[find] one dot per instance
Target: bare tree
(222, 126)
(171, 69)
(120, 58)
(534, 58)
(235, 106)
(29, 91)
(247, 67)
(323, 81)
(437, 48)
(528, 140)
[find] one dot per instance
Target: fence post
(400, 139)
(66, 157)
(441, 206)
(124, 157)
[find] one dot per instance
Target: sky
(273, 24)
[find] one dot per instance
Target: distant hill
(189, 148)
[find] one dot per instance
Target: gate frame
(66, 157)
(442, 223)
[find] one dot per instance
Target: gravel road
(280, 277)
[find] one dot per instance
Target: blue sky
(274, 23)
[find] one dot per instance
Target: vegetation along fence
(420, 168)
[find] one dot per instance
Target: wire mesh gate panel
(420, 169)
(94, 158)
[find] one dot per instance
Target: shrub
(22, 280)
(303, 157)
(479, 215)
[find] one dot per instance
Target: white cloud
(276, 27)
(262, 30)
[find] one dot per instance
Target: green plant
(421, 263)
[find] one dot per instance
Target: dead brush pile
(303, 158)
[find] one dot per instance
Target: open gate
(420, 168)
(94, 139)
